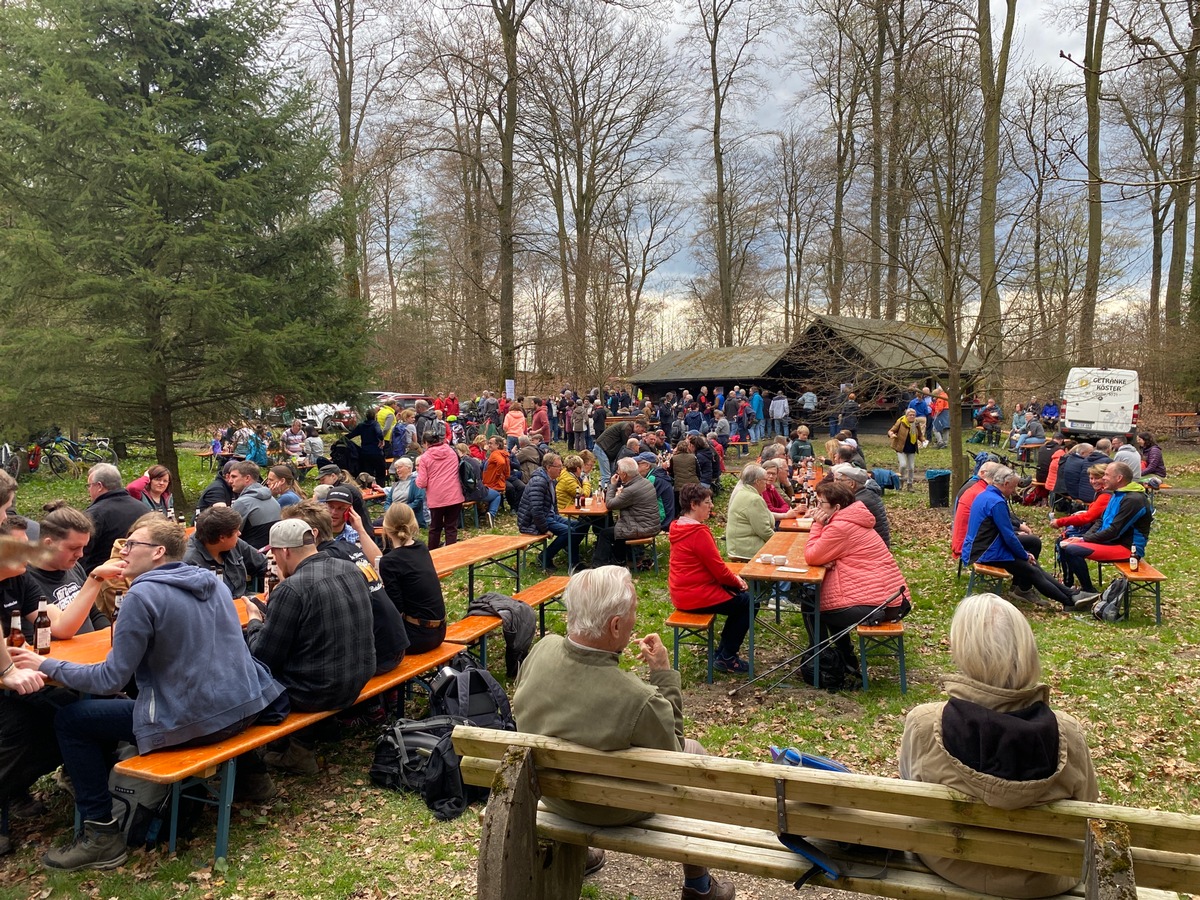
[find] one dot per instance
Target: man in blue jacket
(1122, 531)
(992, 540)
(180, 636)
(538, 513)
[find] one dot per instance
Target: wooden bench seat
(886, 640)
(187, 766)
(990, 577)
(547, 591)
(726, 814)
(685, 625)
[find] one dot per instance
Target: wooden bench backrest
(858, 809)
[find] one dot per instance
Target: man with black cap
(332, 476)
(317, 636)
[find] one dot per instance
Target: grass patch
(1134, 686)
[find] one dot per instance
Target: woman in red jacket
(860, 572)
(1080, 522)
(699, 580)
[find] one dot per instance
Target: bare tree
(732, 34)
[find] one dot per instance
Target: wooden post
(513, 863)
(1108, 862)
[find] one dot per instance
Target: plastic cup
(765, 560)
(780, 560)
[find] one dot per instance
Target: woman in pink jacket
(514, 423)
(860, 573)
(437, 473)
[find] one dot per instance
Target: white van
(1100, 402)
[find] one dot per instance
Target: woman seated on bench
(411, 581)
(699, 580)
(996, 738)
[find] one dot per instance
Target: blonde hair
(400, 523)
(991, 642)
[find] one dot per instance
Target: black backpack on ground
(418, 754)
(1111, 604)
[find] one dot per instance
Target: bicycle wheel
(60, 464)
(98, 455)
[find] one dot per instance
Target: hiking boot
(1083, 602)
(27, 808)
(257, 787)
(297, 759)
(101, 845)
(595, 861)
(717, 890)
(1029, 595)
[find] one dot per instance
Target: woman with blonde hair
(411, 581)
(997, 739)
(281, 482)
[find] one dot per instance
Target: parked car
(400, 399)
(329, 417)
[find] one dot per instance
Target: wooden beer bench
(728, 813)
(471, 630)
(188, 767)
(686, 627)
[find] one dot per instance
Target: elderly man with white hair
(872, 499)
(574, 688)
(634, 498)
(992, 539)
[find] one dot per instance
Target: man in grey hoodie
(170, 607)
(259, 509)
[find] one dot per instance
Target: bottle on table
(171, 512)
(16, 637)
(1133, 562)
(579, 497)
(272, 580)
(41, 629)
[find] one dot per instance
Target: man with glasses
(207, 694)
(538, 512)
(112, 512)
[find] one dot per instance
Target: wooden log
(513, 863)
(1108, 862)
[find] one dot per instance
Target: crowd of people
(305, 649)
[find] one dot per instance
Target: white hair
(594, 597)
(627, 465)
(991, 642)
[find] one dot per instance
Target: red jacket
(962, 517)
(860, 570)
(1089, 515)
(1052, 473)
(698, 577)
(541, 422)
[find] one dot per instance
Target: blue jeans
(605, 468)
(87, 733)
(512, 443)
(779, 427)
(563, 531)
(493, 501)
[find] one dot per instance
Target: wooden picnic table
(795, 525)
(482, 551)
(211, 458)
(595, 509)
(371, 495)
(791, 545)
(1179, 422)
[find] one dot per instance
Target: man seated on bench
(996, 738)
(317, 637)
(573, 688)
(992, 540)
(1032, 430)
(197, 683)
(1122, 531)
(634, 498)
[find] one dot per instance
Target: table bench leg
(225, 807)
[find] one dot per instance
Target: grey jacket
(638, 504)
(520, 620)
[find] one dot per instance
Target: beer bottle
(41, 629)
(272, 581)
(16, 638)
(118, 596)
(579, 496)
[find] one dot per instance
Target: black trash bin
(939, 487)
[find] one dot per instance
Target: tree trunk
(510, 24)
(993, 72)
(1093, 56)
(875, 272)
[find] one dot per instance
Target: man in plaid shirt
(317, 637)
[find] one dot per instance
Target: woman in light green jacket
(749, 523)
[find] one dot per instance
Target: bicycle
(66, 456)
(9, 460)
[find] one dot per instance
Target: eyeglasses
(129, 543)
(92, 484)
